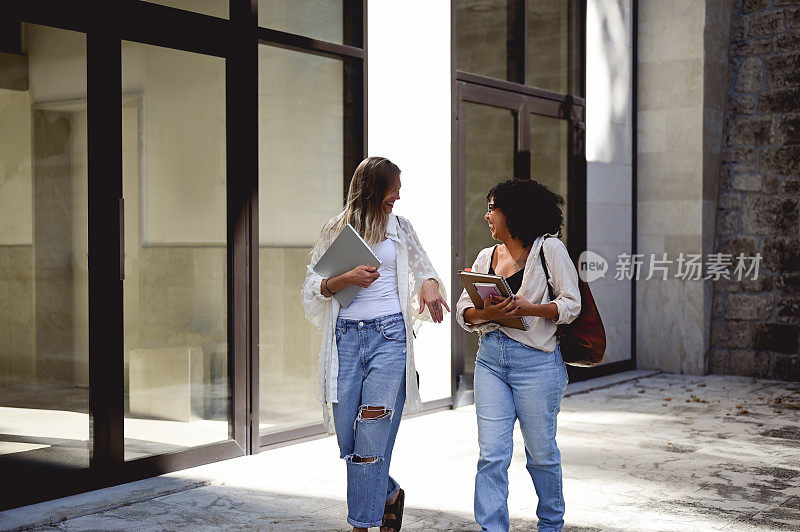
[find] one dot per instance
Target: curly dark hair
(531, 209)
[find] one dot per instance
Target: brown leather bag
(583, 342)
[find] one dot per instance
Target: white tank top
(381, 297)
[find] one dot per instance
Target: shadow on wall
(608, 87)
(609, 130)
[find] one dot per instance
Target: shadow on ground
(230, 508)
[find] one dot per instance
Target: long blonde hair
(364, 209)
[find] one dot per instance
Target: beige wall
(17, 361)
(183, 181)
(16, 239)
(682, 49)
(301, 145)
(175, 291)
(16, 222)
(37, 331)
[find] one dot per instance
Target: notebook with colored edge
(478, 284)
(348, 251)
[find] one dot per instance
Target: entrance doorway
(503, 133)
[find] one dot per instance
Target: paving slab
(658, 452)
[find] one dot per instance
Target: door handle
(122, 239)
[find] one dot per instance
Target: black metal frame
(525, 100)
(236, 40)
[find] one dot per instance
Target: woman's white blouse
(413, 269)
(381, 298)
(564, 280)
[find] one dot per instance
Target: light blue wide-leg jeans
(514, 381)
(372, 369)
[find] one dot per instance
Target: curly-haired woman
(366, 363)
(520, 374)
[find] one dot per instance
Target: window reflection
(549, 158)
(175, 295)
(484, 38)
(548, 44)
(44, 342)
(489, 159)
(301, 124)
(319, 19)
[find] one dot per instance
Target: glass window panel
(483, 34)
(175, 288)
(44, 342)
(550, 158)
(489, 159)
(301, 124)
(215, 8)
(319, 19)
(548, 44)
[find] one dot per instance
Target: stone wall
(756, 323)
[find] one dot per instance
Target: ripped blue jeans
(371, 393)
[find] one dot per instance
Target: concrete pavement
(660, 452)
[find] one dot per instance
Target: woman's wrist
(345, 279)
(435, 282)
(327, 289)
(474, 316)
(544, 311)
(331, 285)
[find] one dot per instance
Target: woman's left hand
(429, 296)
(523, 307)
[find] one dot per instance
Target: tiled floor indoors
(661, 452)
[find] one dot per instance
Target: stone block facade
(756, 323)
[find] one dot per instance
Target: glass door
(44, 287)
(487, 134)
(301, 151)
(311, 80)
(501, 135)
(175, 302)
(129, 172)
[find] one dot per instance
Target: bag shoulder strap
(400, 225)
(546, 272)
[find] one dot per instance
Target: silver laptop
(347, 251)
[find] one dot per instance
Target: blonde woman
(366, 363)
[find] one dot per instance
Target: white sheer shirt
(564, 280)
(413, 269)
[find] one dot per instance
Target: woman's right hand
(363, 276)
(496, 308)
